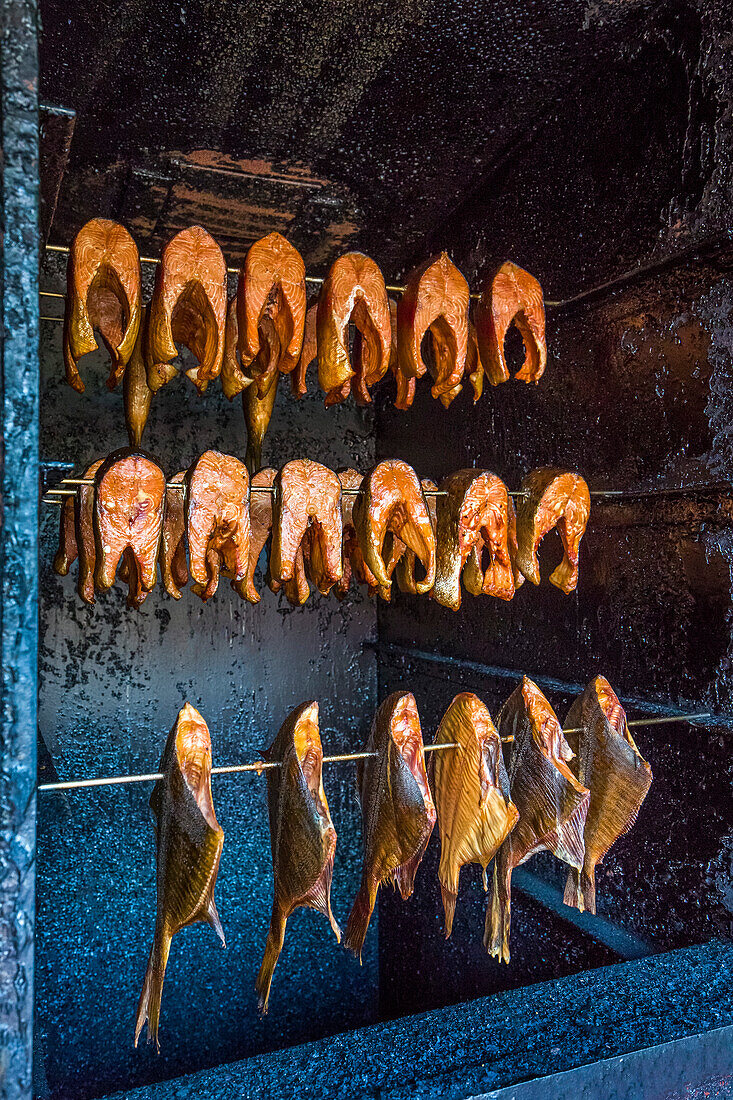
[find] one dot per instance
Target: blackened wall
(111, 684)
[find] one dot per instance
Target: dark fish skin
(552, 804)
(257, 416)
(397, 809)
(607, 762)
(172, 553)
(302, 836)
(84, 526)
(189, 844)
(136, 392)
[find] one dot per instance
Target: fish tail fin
(588, 889)
(449, 907)
(498, 917)
(319, 897)
(212, 918)
(273, 947)
(573, 895)
(359, 917)
(149, 1005)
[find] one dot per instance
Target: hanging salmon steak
(552, 498)
(354, 565)
(471, 791)
(103, 292)
(435, 300)
(217, 520)
(136, 392)
(391, 500)
(173, 567)
(271, 295)
(511, 295)
(397, 809)
(474, 366)
(233, 378)
(308, 354)
(188, 307)
(307, 495)
(552, 804)
(302, 835)
(609, 763)
(129, 501)
(260, 526)
(68, 549)
(473, 516)
(188, 842)
(353, 292)
(401, 560)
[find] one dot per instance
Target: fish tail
(498, 917)
(588, 889)
(573, 895)
(449, 907)
(149, 1005)
(359, 917)
(273, 947)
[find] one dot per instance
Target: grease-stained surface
(635, 396)
(112, 682)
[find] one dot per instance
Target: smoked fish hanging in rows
(189, 843)
(302, 835)
(552, 498)
(397, 809)
(511, 295)
(217, 520)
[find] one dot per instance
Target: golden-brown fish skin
(260, 524)
(353, 291)
(401, 559)
(257, 416)
(129, 501)
(474, 366)
(436, 299)
(103, 291)
(84, 531)
(173, 565)
(308, 354)
(272, 284)
(552, 498)
(472, 516)
(307, 495)
(552, 804)
(188, 307)
(391, 499)
(136, 392)
(302, 836)
(354, 565)
(189, 843)
(471, 792)
(233, 378)
(217, 520)
(511, 295)
(67, 551)
(608, 762)
(397, 809)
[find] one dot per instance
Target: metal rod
(181, 486)
(654, 721)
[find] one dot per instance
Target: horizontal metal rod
(229, 769)
(654, 721)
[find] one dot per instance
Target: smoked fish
(260, 526)
(352, 293)
(302, 835)
(401, 559)
(189, 842)
(307, 496)
(473, 515)
(435, 300)
(553, 498)
(352, 557)
(173, 565)
(129, 500)
(188, 307)
(552, 804)
(271, 300)
(136, 393)
(103, 292)
(511, 295)
(308, 353)
(471, 792)
(391, 499)
(257, 417)
(84, 528)
(397, 809)
(608, 762)
(233, 378)
(474, 366)
(217, 520)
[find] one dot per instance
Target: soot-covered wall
(111, 684)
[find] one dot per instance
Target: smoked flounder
(189, 843)
(471, 791)
(397, 809)
(553, 498)
(609, 763)
(552, 804)
(302, 835)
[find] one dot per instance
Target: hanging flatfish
(189, 843)
(609, 763)
(471, 789)
(302, 835)
(552, 804)
(397, 809)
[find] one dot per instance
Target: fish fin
(149, 1005)
(404, 876)
(359, 917)
(485, 880)
(273, 947)
(212, 918)
(498, 916)
(573, 895)
(449, 906)
(588, 889)
(319, 897)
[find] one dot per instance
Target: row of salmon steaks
(269, 328)
(322, 527)
(572, 792)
